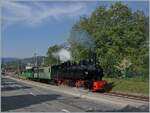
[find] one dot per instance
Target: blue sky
(34, 26)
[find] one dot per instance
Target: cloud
(34, 13)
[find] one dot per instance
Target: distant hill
(24, 61)
(8, 59)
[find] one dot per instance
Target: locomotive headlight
(86, 72)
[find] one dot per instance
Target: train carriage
(28, 73)
(45, 73)
(36, 71)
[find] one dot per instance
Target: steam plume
(62, 54)
(82, 38)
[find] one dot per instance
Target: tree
(81, 45)
(51, 58)
(118, 34)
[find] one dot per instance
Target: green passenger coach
(28, 73)
(44, 73)
(37, 73)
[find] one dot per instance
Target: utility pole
(18, 67)
(58, 60)
(43, 61)
(36, 64)
(35, 59)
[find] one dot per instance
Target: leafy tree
(118, 34)
(51, 58)
(81, 45)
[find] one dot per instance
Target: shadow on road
(8, 86)
(13, 88)
(21, 101)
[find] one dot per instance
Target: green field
(130, 86)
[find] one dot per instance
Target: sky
(31, 26)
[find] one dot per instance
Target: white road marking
(32, 94)
(66, 111)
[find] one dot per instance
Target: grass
(131, 86)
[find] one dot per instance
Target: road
(21, 97)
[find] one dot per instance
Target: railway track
(134, 97)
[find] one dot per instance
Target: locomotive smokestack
(95, 58)
(92, 56)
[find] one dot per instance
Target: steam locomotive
(84, 74)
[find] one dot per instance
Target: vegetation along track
(141, 98)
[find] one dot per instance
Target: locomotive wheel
(88, 84)
(59, 82)
(71, 83)
(80, 83)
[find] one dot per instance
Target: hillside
(25, 61)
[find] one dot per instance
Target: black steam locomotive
(84, 74)
(85, 70)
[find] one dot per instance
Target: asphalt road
(21, 97)
(17, 96)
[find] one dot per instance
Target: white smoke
(63, 55)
